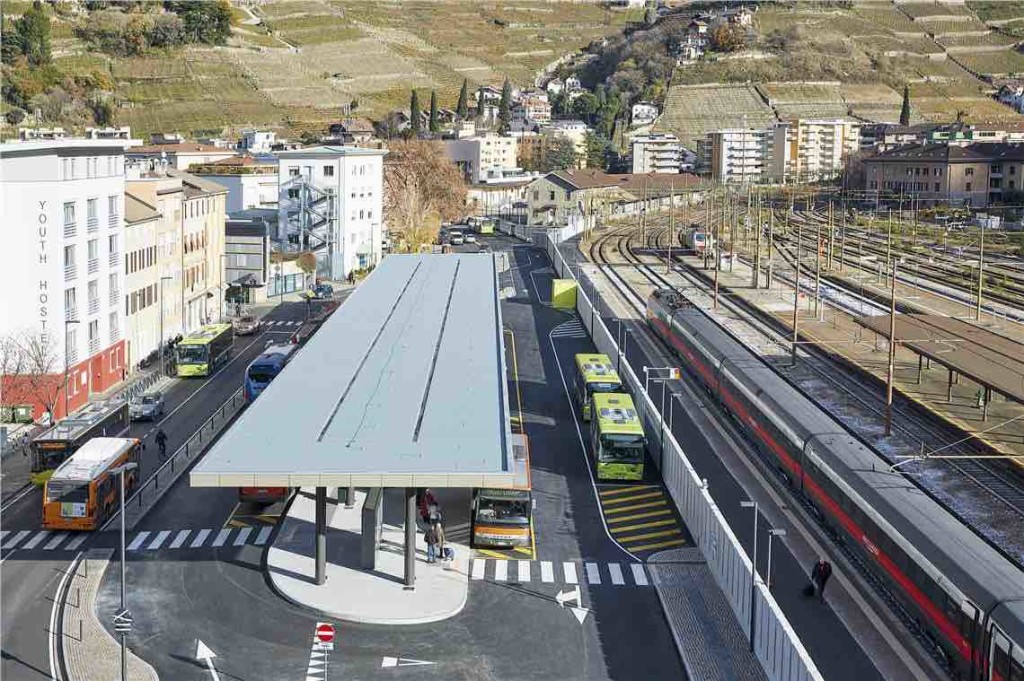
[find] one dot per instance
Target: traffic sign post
(324, 634)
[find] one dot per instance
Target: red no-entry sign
(324, 632)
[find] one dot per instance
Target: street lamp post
(67, 368)
(753, 572)
(120, 472)
(772, 533)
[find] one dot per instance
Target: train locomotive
(966, 595)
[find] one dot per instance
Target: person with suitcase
(819, 577)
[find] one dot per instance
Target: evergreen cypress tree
(435, 125)
(414, 114)
(480, 104)
(905, 110)
(462, 109)
(505, 108)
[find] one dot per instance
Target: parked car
(456, 238)
(323, 291)
(470, 238)
(247, 324)
(148, 406)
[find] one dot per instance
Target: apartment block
(660, 153)
(142, 278)
(483, 156)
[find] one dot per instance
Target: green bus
(594, 374)
(481, 225)
(617, 437)
(202, 352)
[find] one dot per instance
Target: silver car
(247, 324)
(149, 406)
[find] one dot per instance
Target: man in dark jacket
(820, 574)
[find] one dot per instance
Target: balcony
(72, 356)
(94, 306)
(70, 272)
(94, 265)
(70, 230)
(114, 221)
(115, 298)
(94, 346)
(70, 313)
(115, 260)
(115, 335)
(92, 224)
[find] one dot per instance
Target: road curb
(87, 651)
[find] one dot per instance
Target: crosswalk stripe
(478, 569)
(501, 570)
(13, 541)
(243, 534)
(593, 574)
(137, 542)
(639, 576)
(634, 507)
(179, 539)
(642, 526)
(4, 533)
(623, 490)
(524, 570)
(547, 571)
(76, 542)
(658, 545)
(649, 535)
(263, 536)
(638, 516)
(200, 538)
(222, 537)
(616, 574)
(34, 541)
(643, 495)
(52, 544)
(159, 540)
(570, 573)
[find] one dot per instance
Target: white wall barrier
(776, 645)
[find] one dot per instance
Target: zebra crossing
(550, 572)
(571, 328)
(280, 323)
(141, 541)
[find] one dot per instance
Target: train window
(1000, 654)
(1016, 671)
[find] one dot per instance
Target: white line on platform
(547, 571)
(501, 570)
(159, 540)
(639, 576)
(200, 538)
(616, 573)
(593, 574)
(243, 534)
(137, 542)
(179, 539)
(34, 541)
(478, 568)
(264, 535)
(524, 571)
(222, 537)
(570, 573)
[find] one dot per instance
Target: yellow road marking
(231, 516)
(656, 523)
(645, 495)
(533, 539)
(649, 504)
(236, 523)
(524, 551)
(515, 370)
(623, 490)
(659, 545)
(272, 519)
(648, 514)
(492, 554)
(649, 535)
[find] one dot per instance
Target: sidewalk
(357, 595)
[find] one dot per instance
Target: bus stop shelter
(403, 387)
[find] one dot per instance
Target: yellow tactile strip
(641, 517)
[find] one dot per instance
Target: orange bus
(83, 492)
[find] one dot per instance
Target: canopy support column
(987, 397)
(321, 535)
(920, 367)
(410, 537)
(949, 388)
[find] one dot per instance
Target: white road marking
(15, 539)
(593, 574)
(159, 540)
(57, 600)
(52, 544)
(242, 535)
(4, 533)
(547, 571)
(524, 571)
(501, 570)
(34, 541)
(137, 542)
(77, 541)
(222, 537)
(639, 576)
(570, 573)
(200, 538)
(179, 540)
(264, 535)
(616, 572)
(478, 568)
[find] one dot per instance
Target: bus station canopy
(403, 386)
(989, 359)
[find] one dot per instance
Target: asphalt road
(30, 577)
(508, 630)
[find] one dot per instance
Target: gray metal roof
(403, 386)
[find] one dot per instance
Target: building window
(112, 244)
(94, 249)
(937, 186)
(968, 186)
(328, 171)
(69, 213)
(69, 256)
(997, 168)
(551, 196)
(1012, 186)
(70, 303)
(293, 171)
(362, 214)
(369, 215)
(90, 210)
(94, 331)
(968, 171)
(1013, 170)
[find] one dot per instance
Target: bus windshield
(192, 354)
(594, 387)
(67, 491)
(503, 511)
(261, 374)
(622, 449)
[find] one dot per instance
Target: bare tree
(12, 361)
(422, 187)
(42, 375)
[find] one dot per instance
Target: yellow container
(563, 294)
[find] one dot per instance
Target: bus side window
(104, 488)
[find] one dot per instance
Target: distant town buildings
(532, 108)
(257, 141)
(177, 155)
(351, 131)
(643, 113)
(484, 156)
(251, 182)
(657, 153)
(109, 133)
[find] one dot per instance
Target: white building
(657, 153)
(257, 141)
(179, 156)
(251, 182)
(142, 278)
(574, 130)
(332, 198)
(109, 133)
(483, 156)
(643, 113)
(62, 266)
(739, 154)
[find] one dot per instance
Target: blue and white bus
(265, 368)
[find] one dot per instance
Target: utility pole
(892, 352)
(817, 268)
(732, 234)
(981, 271)
(888, 240)
(757, 247)
(718, 253)
(842, 242)
(671, 225)
(796, 291)
(771, 243)
(707, 226)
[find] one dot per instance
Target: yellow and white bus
(202, 352)
(83, 492)
(617, 438)
(595, 373)
(502, 518)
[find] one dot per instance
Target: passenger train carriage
(967, 596)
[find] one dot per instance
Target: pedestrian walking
(430, 536)
(426, 501)
(439, 532)
(161, 442)
(819, 575)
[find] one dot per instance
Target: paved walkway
(710, 640)
(357, 595)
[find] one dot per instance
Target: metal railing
(92, 224)
(70, 230)
(114, 221)
(70, 272)
(115, 259)
(115, 298)
(94, 265)
(94, 306)
(115, 335)
(94, 346)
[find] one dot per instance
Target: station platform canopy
(403, 386)
(987, 358)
